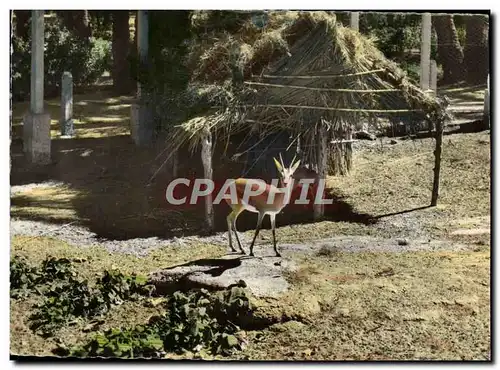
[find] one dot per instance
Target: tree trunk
(82, 24)
(121, 50)
(450, 53)
(476, 53)
(23, 23)
(78, 22)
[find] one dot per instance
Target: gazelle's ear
(295, 166)
(278, 165)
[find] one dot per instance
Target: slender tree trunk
(476, 53)
(82, 24)
(121, 50)
(78, 22)
(450, 53)
(22, 23)
(134, 52)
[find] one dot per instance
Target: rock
(393, 141)
(263, 276)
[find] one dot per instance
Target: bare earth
(413, 285)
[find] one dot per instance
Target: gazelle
(262, 203)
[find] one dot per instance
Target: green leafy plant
(73, 299)
(67, 298)
(64, 302)
(117, 287)
(53, 268)
(26, 279)
(23, 277)
(197, 322)
(125, 343)
(87, 60)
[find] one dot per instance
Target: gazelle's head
(286, 173)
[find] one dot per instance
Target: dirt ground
(394, 279)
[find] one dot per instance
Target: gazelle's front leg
(231, 225)
(272, 216)
(259, 223)
(234, 216)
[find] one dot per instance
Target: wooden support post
(432, 89)
(437, 161)
(206, 157)
(142, 125)
(355, 21)
(322, 155)
(433, 77)
(486, 113)
(425, 51)
(348, 151)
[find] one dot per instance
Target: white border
(186, 4)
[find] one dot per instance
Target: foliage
(121, 342)
(64, 302)
(85, 59)
(117, 287)
(199, 322)
(75, 298)
(53, 269)
(164, 76)
(26, 279)
(395, 33)
(23, 278)
(412, 70)
(66, 297)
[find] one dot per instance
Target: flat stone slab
(264, 276)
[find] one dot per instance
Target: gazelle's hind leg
(257, 229)
(231, 225)
(236, 232)
(272, 216)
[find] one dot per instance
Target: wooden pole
(322, 153)
(486, 114)
(437, 161)
(143, 115)
(425, 51)
(206, 157)
(348, 151)
(432, 89)
(433, 76)
(355, 21)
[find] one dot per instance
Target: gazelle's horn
(293, 160)
(282, 163)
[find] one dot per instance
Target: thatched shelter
(304, 76)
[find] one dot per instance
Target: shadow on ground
(108, 177)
